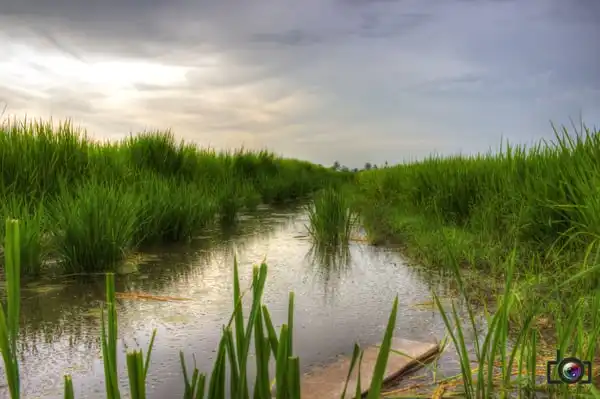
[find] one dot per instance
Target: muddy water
(335, 306)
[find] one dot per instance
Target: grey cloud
(293, 37)
(302, 75)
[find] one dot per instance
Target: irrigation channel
(335, 305)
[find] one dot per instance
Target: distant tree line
(368, 166)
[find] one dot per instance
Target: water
(333, 309)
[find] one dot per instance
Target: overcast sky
(324, 80)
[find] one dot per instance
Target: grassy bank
(89, 204)
(535, 209)
(543, 199)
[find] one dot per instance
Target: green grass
(233, 353)
(542, 200)
(544, 197)
(505, 361)
(528, 217)
(524, 218)
(331, 218)
(88, 204)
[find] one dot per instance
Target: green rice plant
(35, 153)
(501, 352)
(137, 370)
(137, 365)
(157, 152)
(234, 350)
(194, 387)
(9, 321)
(95, 226)
(233, 197)
(169, 210)
(180, 186)
(33, 249)
(331, 219)
(541, 196)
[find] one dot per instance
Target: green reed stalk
(384, 354)
(69, 392)
(137, 370)
(331, 218)
(356, 357)
(194, 387)
(293, 377)
(572, 336)
(9, 321)
(109, 341)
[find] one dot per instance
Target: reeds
(9, 321)
(233, 354)
(506, 361)
(331, 218)
(526, 216)
(543, 197)
(88, 204)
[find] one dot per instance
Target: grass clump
(331, 218)
(97, 201)
(508, 360)
(94, 227)
(171, 210)
(33, 246)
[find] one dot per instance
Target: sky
(349, 80)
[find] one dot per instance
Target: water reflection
(69, 307)
(342, 296)
(330, 263)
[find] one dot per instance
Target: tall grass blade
(258, 284)
(216, 386)
(270, 330)
(282, 364)
(135, 372)
(293, 378)
(9, 322)
(356, 354)
(148, 355)
(358, 392)
(384, 353)
(262, 361)
(233, 365)
(69, 391)
(290, 323)
(109, 341)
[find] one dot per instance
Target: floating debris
(94, 312)
(142, 296)
(360, 239)
(176, 319)
(431, 305)
(39, 288)
(127, 268)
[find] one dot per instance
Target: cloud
(347, 80)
